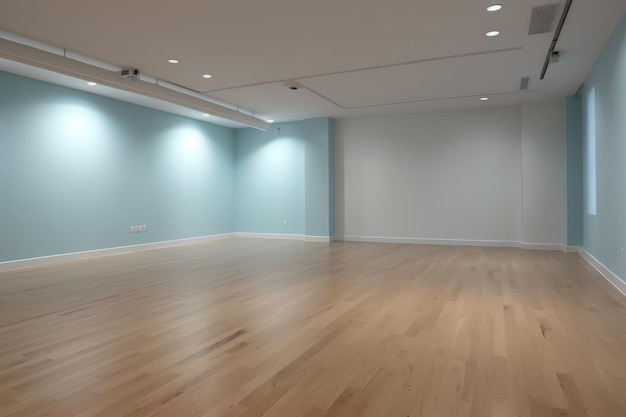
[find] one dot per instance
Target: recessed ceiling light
(206, 114)
(172, 61)
(92, 83)
(494, 7)
(484, 98)
(270, 121)
(207, 76)
(493, 33)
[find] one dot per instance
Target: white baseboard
(64, 257)
(544, 246)
(322, 239)
(573, 249)
(604, 271)
(270, 236)
(455, 242)
(284, 236)
(420, 241)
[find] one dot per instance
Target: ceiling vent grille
(542, 19)
(524, 83)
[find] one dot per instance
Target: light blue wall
(574, 161)
(332, 179)
(605, 232)
(286, 176)
(270, 180)
(77, 170)
(319, 177)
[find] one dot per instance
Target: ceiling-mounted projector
(131, 73)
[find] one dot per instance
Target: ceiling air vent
(542, 19)
(524, 84)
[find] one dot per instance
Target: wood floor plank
(264, 328)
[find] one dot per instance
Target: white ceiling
(351, 57)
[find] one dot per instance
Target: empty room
(312, 209)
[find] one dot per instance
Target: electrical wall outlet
(138, 228)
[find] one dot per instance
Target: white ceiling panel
(485, 74)
(276, 101)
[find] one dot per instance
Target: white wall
(452, 176)
(543, 174)
(444, 175)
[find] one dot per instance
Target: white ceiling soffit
(351, 58)
(60, 64)
(114, 93)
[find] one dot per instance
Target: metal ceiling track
(557, 33)
(61, 64)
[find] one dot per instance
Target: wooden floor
(246, 327)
